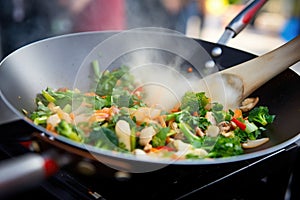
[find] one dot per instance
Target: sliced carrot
(238, 113)
(101, 115)
(104, 110)
(49, 127)
(176, 108)
(72, 115)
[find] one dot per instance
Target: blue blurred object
(291, 28)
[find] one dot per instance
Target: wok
(55, 61)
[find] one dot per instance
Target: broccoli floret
(202, 99)
(220, 114)
(194, 102)
(190, 102)
(261, 115)
(67, 130)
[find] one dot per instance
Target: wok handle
(254, 73)
(25, 172)
(238, 23)
(245, 16)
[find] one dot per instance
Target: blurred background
(26, 21)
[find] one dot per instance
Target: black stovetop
(269, 177)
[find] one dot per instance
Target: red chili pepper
(240, 124)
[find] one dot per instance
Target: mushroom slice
(146, 135)
(228, 134)
(123, 132)
(249, 103)
(224, 126)
(199, 132)
(254, 143)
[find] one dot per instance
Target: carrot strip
(238, 113)
(72, 116)
(49, 127)
(176, 108)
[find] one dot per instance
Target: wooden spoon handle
(256, 72)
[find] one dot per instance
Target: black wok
(54, 62)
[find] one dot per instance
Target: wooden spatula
(232, 85)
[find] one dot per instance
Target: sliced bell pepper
(240, 124)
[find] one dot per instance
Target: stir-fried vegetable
(68, 130)
(194, 102)
(261, 115)
(114, 117)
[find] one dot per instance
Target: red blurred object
(101, 15)
(50, 167)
